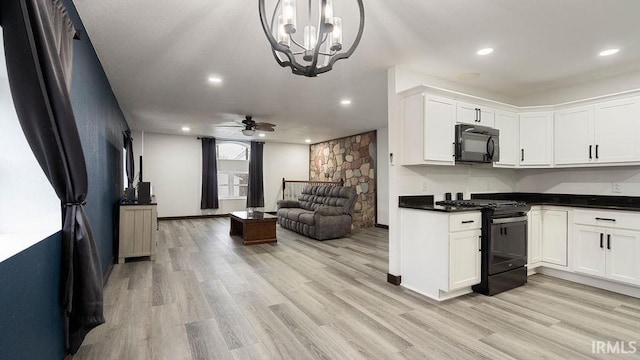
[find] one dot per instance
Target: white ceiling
(158, 54)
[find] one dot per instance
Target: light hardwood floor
(209, 297)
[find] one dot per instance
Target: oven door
(508, 244)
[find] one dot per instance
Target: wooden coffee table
(254, 228)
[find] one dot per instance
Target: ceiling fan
(250, 126)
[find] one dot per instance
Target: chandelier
(322, 35)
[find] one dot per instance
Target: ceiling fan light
(248, 132)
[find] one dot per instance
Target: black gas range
(497, 206)
(503, 243)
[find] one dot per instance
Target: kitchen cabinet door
(438, 144)
(536, 139)
(464, 259)
(554, 237)
(574, 136)
(475, 114)
(427, 130)
(589, 254)
(617, 125)
(412, 115)
(534, 250)
(507, 123)
(623, 250)
(138, 231)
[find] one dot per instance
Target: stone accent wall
(352, 159)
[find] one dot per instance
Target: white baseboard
(629, 290)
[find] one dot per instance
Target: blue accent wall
(100, 124)
(31, 324)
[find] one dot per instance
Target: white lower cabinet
(589, 253)
(440, 252)
(464, 258)
(554, 237)
(534, 241)
(138, 231)
(607, 252)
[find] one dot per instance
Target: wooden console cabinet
(138, 231)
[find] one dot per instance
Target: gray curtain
(255, 191)
(128, 146)
(38, 37)
(209, 198)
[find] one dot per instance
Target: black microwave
(477, 144)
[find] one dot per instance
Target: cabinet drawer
(465, 221)
(608, 218)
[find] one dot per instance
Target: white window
(233, 170)
(29, 208)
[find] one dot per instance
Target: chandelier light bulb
(328, 16)
(309, 42)
(289, 16)
(336, 34)
(283, 38)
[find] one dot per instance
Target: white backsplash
(585, 181)
(437, 180)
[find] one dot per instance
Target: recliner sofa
(321, 212)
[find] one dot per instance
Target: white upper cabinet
(536, 139)
(604, 133)
(427, 130)
(475, 114)
(617, 129)
(507, 123)
(574, 136)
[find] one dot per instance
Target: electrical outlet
(615, 188)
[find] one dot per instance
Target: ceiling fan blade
(264, 128)
(258, 123)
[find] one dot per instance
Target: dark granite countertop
(425, 202)
(608, 202)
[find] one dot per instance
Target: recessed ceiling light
(307, 140)
(186, 128)
(609, 52)
(345, 102)
(261, 135)
(485, 51)
(215, 79)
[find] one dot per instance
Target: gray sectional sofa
(321, 212)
